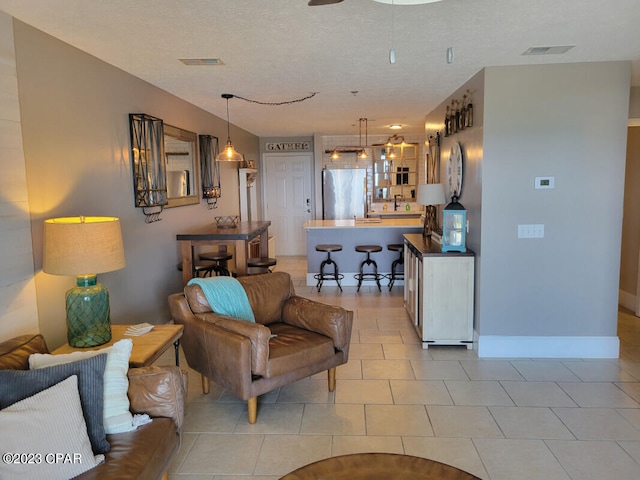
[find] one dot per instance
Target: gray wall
(471, 142)
(631, 222)
(568, 121)
(555, 296)
(18, 311)
(75, 132)
(631, 218)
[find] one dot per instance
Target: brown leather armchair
(293, 337)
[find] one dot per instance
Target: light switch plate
(531, 231)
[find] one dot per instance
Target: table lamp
(430, 194)
(84, 247)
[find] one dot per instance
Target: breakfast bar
(349, 234)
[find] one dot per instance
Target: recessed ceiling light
(202, 61)
(548, 50)
(395, 127)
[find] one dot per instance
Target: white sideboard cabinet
(438, 292)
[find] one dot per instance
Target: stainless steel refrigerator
(343, 193)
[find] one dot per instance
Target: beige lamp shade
(82, 245)
(431, 194)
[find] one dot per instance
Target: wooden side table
(147, 348)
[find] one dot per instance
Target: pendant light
(363, 155)
(229, 154)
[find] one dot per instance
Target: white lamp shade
(82, 245)
(431, 194)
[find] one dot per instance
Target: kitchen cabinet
(438, 292)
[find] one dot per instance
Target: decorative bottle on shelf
(469, 115)
(447, 123)
(453, 129)
(463, 113)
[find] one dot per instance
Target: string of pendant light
(275, 104)
(229, 153)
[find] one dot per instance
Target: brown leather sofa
(145, 453)
(293, 337)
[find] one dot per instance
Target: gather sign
(287, 146)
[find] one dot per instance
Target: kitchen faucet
(395, 202)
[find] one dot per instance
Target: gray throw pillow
(16, 385)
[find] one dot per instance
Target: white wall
(75, 131)
(555, 296)
(18, 311)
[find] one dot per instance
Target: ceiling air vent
(202, 61)
(557, 50)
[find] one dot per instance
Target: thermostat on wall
(544, 182)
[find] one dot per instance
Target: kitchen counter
(401, 213)
(349, 233)
(395, 223)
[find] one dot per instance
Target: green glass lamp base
(88, 323)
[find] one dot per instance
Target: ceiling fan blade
(315, 3)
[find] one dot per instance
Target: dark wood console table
(239, 236)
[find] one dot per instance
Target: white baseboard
(497, 346)
(627, 300)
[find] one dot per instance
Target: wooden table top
(244, 231)
(386, 466)
(147, 348)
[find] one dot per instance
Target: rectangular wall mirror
(395, 172)
(183, 174)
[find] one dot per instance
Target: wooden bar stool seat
(264, 264)
(396, 275)
(200, 269)
(322, 276)
(362, 276)
(219, 260)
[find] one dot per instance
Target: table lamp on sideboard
(430, 194)
(84, 247)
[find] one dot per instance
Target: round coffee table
(387, 466)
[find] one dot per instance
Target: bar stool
(368, 249)
(219, 260)
(396, 247)
(328, 276)
(199, 269)
(264, 264)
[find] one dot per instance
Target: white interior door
(288, 199)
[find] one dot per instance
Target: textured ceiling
(279, 50)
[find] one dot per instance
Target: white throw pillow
(45, 436)
(117, 417)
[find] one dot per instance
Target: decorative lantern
(454, 227)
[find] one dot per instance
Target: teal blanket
(226, 296)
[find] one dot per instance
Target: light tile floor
(513, 419)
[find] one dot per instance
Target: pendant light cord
(272, 104)
(228, 128)
(227, 96)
